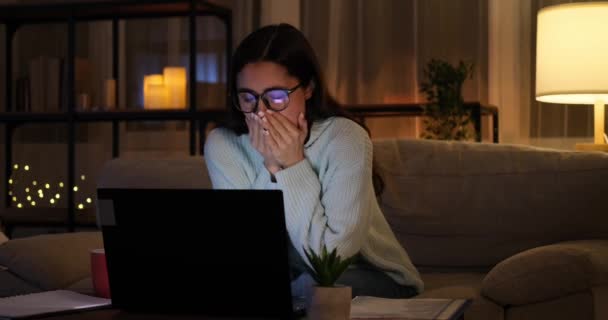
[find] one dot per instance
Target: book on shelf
(365, 307)
(49, 303)
(22, 90)
(45, 84)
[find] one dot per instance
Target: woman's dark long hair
(285, 45)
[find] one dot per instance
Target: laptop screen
(210, 252)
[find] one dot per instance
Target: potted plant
(446, 117)
(328, 300)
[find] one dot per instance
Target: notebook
(48, 302)
(229, 247)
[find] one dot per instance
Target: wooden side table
(591, 147)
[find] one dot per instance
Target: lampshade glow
(571, 63)
(571, 48)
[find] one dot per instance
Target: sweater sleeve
(336, 211)
(227, 163)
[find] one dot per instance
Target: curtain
(375, 51)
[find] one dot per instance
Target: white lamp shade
(572, 53)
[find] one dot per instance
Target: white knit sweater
(329, 196)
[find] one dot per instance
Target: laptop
(197, 251)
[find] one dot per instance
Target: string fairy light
(28, 192)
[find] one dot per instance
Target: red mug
(99, 273)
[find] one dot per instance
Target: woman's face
(256, 78)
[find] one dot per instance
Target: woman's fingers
(279, 134)
(283, 124)
(277, 138)
(271, 143)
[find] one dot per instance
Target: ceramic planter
(330, 303)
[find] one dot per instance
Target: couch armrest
(548, 272)
(51, 261)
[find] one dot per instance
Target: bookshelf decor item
(176, 83)
(167, 90)
(110, 94)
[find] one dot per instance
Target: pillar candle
(149, 80)
(175, 81)
(158, 96)
(110, 94)
(84, 101)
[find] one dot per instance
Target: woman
(284, 133)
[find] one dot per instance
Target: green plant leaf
(331, 260)
(314, 266)
(445, 110)
(325, 268)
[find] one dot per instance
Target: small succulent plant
(326, 267)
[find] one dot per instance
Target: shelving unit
(70, 13)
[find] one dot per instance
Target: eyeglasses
(275, 99)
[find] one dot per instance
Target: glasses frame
(258, 96)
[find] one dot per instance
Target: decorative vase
(329, 303)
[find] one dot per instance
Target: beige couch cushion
(548, 272)
(44, 261)
(11, 285)
(3, 237)
(600, 302)
(462, 286)
(177, 172)
(573, 307)
(84, 286)
(460, 204)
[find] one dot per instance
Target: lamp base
(591, 147)
(598, 128)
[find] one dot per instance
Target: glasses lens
(246, 101)
(276, 99)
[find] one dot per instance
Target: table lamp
(572, 59)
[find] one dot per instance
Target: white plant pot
(329, 303)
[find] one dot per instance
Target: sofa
(520, 230)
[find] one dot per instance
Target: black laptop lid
(215, 252)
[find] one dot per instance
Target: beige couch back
(457, 204)
(451, 204)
